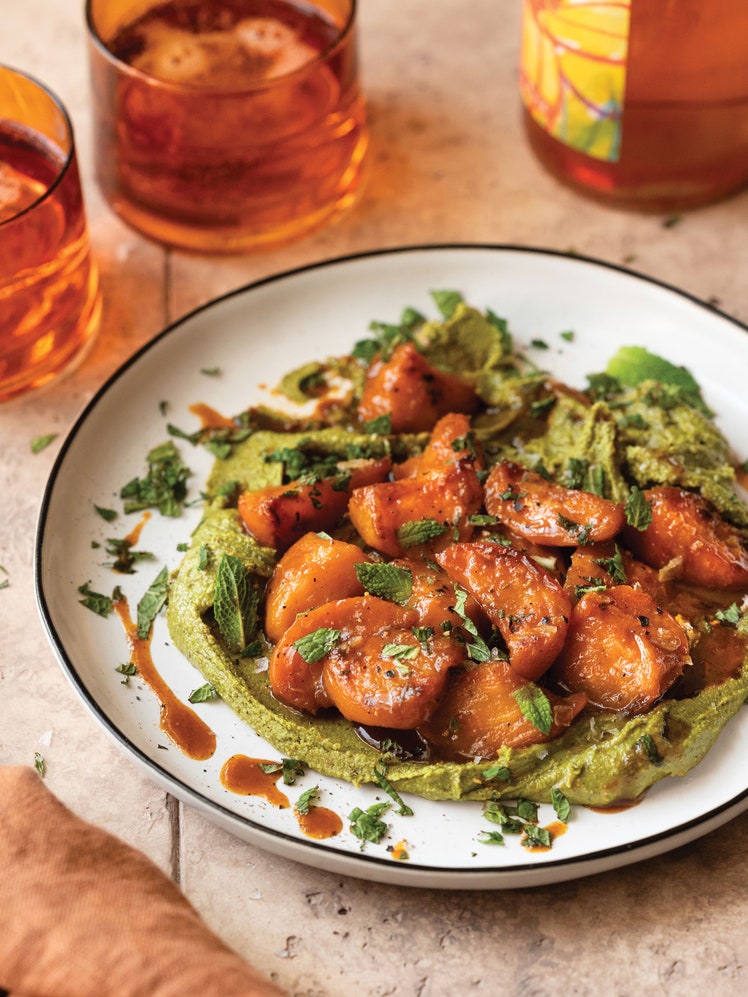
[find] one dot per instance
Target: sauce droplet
(134, 535)
(245, 777)
(399, 852)
(180, 723)
(319, 823)
(210, 418)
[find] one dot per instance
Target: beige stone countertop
(449, 163)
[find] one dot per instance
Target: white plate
(255, 335)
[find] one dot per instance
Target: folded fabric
(82, 914)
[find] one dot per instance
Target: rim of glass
(65, 165)
(128, 70)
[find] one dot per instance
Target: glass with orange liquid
(226, 125)
(639, 103)
(49, 293)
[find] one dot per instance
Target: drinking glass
(226, 125)
(49, 289)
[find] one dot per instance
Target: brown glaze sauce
(244, 776)
(178, 721)
(133, 536)
(210, 418)
(319, 823)
(618, 808)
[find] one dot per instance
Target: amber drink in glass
(49, 297)
(226, 125)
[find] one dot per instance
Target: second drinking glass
(226, 125)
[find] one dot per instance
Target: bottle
(642, 104)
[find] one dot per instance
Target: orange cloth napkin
(84, 915)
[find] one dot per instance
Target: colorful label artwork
(573, 71)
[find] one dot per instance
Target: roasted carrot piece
(523, 600)
(363, 656)
(295, 678)
(413, 392)
(450, 441)
(623, 651)
(480, 713)
(313, 571)
(594, 566)
(607, 564)
(433, 597)
(381, 673)
(688, 535)
(279, 515)
(549, 513)
(387, 515)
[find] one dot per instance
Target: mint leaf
(379, 426)
(202, 694)
(152, 602)
(497, 772)
(535, 706)
(729, 616)
(235, 605)
(95, 601)
(614, 566)
(477, 650)
(418, 531)
(560, 804)
(380, 774)
(447, 301)
(633, 364)
(535, 837)
(40, 443)
(402, 652)
(387, 581)
(648, 745)
(366, 825)
(638, 511)
(164, 487)
(304, 802)
(314, 646)
(491, 837)
(290, 767)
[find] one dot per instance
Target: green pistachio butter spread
(641, 434)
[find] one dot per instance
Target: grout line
(167, 285)
(175, 825)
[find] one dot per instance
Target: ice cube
(174, 56)
(269, 39)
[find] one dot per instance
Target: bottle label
(573, 71)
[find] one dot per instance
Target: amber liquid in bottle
(684, 128)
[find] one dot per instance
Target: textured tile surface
(448, 164)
